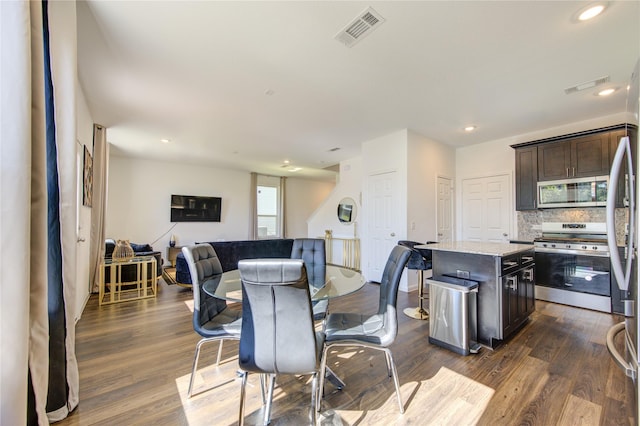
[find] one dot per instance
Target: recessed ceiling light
(164, 140)
(606, 92)
(469, 128)
(286, 161)
(590, 11)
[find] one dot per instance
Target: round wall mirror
(347, 210)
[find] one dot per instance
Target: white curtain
(281, 207)
(99, 207)
(37, 154)
(253, 205)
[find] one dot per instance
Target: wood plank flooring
(135, 360)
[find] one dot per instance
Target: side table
(144, 286)
(172, 253)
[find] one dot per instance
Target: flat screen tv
(190, 208)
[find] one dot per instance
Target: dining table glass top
(338, 281)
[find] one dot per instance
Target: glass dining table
(338, 281)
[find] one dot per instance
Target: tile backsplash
(529, 221)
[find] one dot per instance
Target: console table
(144, 286)
(172, 253)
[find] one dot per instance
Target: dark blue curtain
(58, 392)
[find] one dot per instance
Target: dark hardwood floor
(135, 360)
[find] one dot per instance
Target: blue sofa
(230, 252)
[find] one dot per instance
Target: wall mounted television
(190, 208)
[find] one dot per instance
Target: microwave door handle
(622, 278)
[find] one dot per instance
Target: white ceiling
(198, 73)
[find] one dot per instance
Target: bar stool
(420, 260)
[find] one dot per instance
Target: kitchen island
(504, 272)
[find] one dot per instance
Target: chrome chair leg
(242, 396)
(267, 408)
(197, 357)
(389, 363)
(263, 389)
(195, 365)
(321, 373)
(314, 398)
(395, 379)
(391, 370)
(219, 351)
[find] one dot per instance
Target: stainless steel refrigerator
(624, 262)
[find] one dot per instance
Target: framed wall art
(87, 186)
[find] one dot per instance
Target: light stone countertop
(477, 247)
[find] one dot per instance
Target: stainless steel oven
(573, 266)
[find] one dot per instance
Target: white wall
(303, 198)
(384, 154)
(497, 156)
(84, 135)
(139, 194)
(427, 160)
(325, 217)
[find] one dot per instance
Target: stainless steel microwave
(579, 192)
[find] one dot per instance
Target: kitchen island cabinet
(504, 272)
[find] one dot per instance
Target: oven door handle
(567, 251)
(622, 277)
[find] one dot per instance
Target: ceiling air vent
(587, 85)
(360, 27)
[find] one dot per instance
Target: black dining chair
(420, 260)
(312, 252)
(278, 335)
(212, 319)
(374, 331)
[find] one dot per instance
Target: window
(268, 207)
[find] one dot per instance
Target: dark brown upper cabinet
(526, 177)
(583, 156)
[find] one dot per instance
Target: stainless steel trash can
(453, 314)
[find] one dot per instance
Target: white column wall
(84, 135)
(384, 154)
(303, 198)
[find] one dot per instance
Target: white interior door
(383, 220)
(445, 210)
(486, 208)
